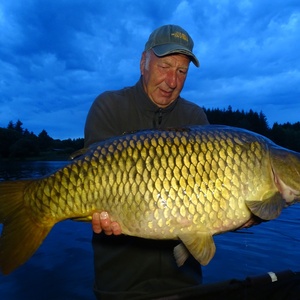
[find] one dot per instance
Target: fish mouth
(289, 194)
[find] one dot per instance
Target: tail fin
(21, 235)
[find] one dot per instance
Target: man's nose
(171, 79)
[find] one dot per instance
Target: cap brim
(163, 50)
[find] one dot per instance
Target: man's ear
(143, 62)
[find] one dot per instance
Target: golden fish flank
(187, 184)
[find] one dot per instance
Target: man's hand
(101, 221)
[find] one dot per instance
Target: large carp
(187, 184)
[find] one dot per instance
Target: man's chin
(163, 101)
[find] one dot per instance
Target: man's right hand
(101, 222)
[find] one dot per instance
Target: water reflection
(12, 170)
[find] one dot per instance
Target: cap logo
(180, 35)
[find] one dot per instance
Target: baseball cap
(170, 39)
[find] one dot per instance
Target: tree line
(286, 135)
(17, 142)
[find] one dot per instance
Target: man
(128, 267)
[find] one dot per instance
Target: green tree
(18, 127)
(7, 138)
(24, 147)
(44, 140)
(11, 125)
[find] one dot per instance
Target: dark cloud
(56, 56)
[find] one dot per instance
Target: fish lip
(289, 194)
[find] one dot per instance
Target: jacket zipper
(157, 118)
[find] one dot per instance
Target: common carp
(188, 184)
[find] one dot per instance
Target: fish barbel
(187, 184)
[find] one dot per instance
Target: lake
(62, 268)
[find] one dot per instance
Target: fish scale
(187, 184)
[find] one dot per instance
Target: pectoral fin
(78, 153)
(201, 246)
(268, 209)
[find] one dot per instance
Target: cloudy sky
(56, 56)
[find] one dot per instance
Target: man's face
(163, 77)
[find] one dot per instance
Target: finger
(116, 229)
(105, 223)
(96, 222)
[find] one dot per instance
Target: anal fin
(201, 246)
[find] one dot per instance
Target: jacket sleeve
(190, 113)
(100, 122)
(200, 117)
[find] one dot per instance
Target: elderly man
(128, 267)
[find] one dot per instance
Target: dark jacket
(128, 267)
(116, 112)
